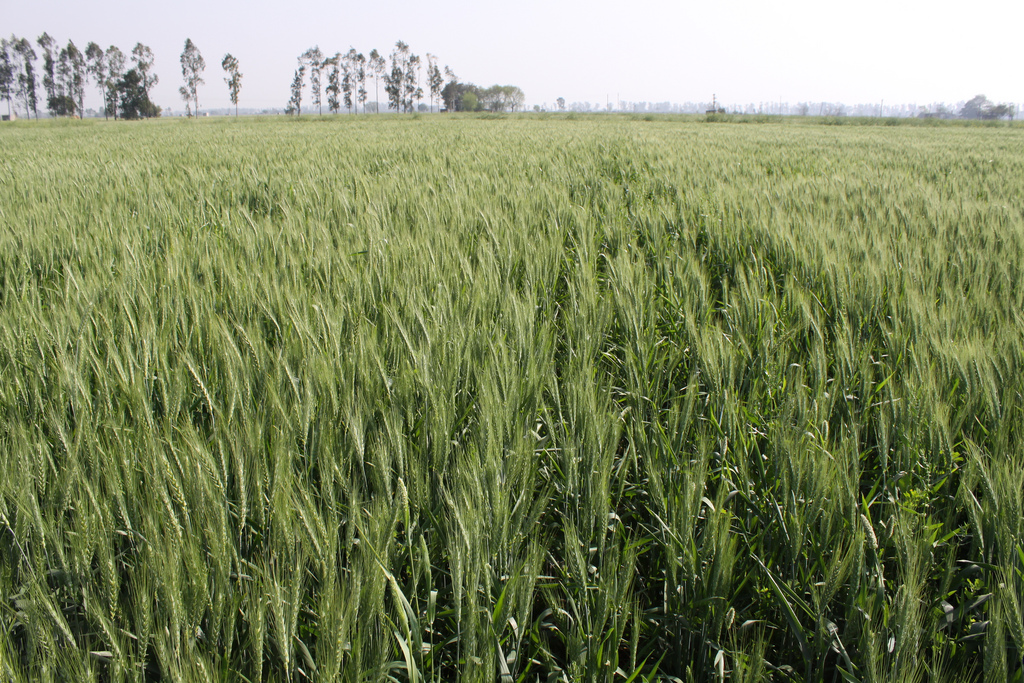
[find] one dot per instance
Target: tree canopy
(192, 67)
(133, 100)
(234, 80)
(979, 107)
(468, 97)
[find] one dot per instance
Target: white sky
(899, 51)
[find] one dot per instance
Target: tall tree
(346, 82)
(377, 68)
(349, 78)
(98, 69)
(230, 65)
(314, 58)
(79, 74)
(25, 58)
(394, 80)
(411, 90)
(192, 67)
(63, 101)
(333, 83)
(142, 57)
(47, 45)
(393, 86)
(360, 78)
(295, 103)
(115, 72)
(6, 73)
(435, 79)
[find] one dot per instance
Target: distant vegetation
(980, 107)
(572, 400)
(66, 72)
(348, 77)
(342, 82)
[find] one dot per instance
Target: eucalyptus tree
(360, 77)
(47, 45)
(62, 103)
(435, 79)
(411, 90)
(142, 57)
(192, 67)
(14, 59)
(333, 83)
(24, 68)
(377, 67)
(349, 77)
(115, 72)
(97, 60)
(6, 73)
(78, 74)
(230, 65)
(395, 78)
(314, 58)
(295, 103)
(393, 86)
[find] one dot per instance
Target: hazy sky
(899, 51)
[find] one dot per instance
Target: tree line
(980, 108)
(348, 75)
(125, 82)
(468, 97)
(67, 70)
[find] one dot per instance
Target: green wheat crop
(511, 399)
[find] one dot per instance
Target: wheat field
(511, 399)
